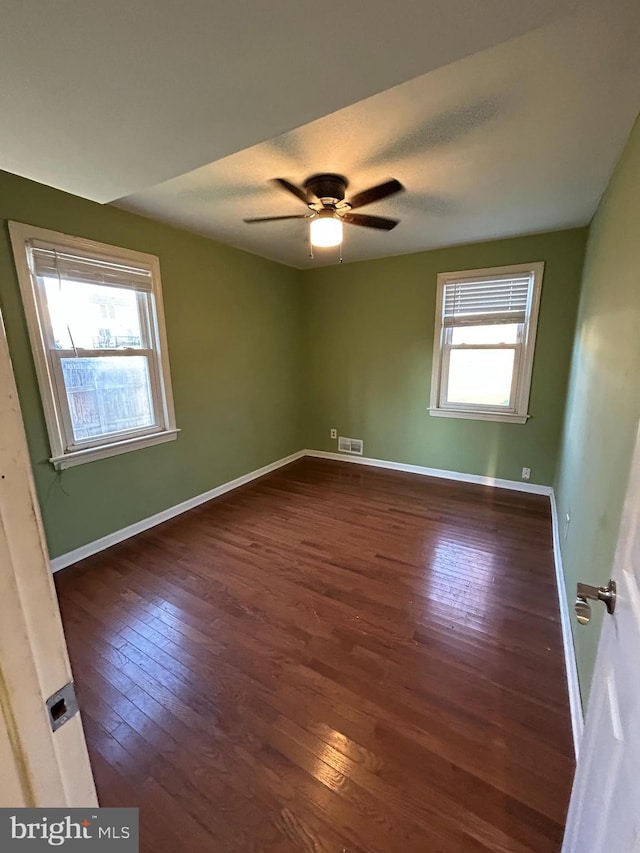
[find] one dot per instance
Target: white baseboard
(496, 482)
(577, 719)
(90, 548)
(575, 701)
(97, 545)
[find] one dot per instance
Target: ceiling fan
(324, 195)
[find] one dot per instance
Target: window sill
(91, 454)
(502, 417)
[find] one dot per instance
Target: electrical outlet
(334, 433)
(567, 522)
(526, 473)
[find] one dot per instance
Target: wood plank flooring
(333, 658)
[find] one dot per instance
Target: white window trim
(61, 457)
(522, 372)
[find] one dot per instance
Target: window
(484, 342)
(96, 326)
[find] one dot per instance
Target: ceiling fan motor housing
(331, 187)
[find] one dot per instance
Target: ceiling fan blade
(278, 218)
(380, 222)
(376, 193)
(292, 188)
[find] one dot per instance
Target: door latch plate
(62, 706)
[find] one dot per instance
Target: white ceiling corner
(499, 118)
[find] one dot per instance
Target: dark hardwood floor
(333, 658)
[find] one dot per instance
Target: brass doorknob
(585, 591)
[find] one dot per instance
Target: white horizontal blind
(501, 299)
(56, 263)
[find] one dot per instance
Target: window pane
(108, 394)
(93, 316)
(498, 333)
(480, 376)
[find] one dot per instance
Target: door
(39, 767)
(604, 814)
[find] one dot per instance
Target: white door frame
(39, 767)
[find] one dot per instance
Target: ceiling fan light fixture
(325, 231)
(327, 209)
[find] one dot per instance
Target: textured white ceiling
(106, 98)
(501, 117)
(517, 138)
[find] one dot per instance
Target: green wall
(233, 325)
(369, 342)
(266, 359)
(603, 405)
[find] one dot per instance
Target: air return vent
(350, 445)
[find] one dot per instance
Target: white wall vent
(350, 445)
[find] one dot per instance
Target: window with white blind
(97, 333)
(484, 342)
